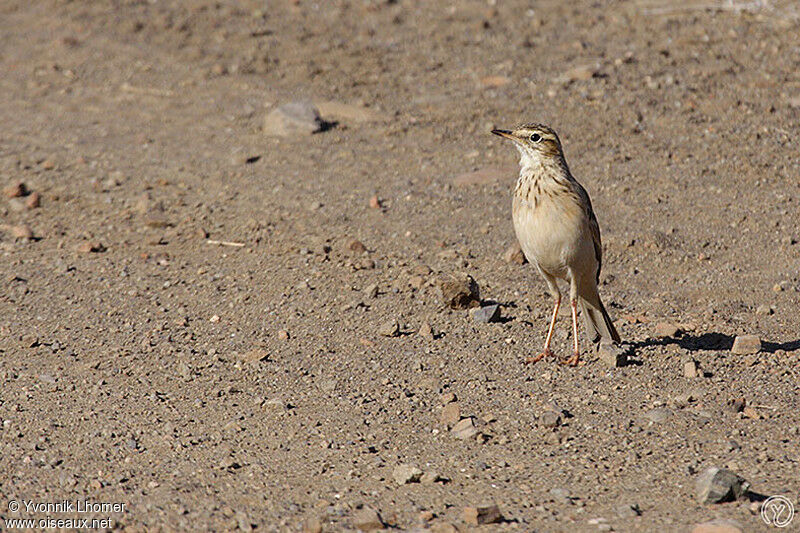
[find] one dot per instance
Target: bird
(558, 232)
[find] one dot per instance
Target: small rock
(665, 329)
(750, 412)
(375, 202)
(718, 525)
(33, 200)
(736, 405)
(658, 415)
(15, 190)
(515, 255)
(691, 369)
(405, 474)
(465, 429)
(717, 485)
(214, 319)
(628, 510)
(357, 246)
(389, 329)
(476, 516)
(451, 414)
(486, 314)
(22, 231)
(283, 335)
(494, 82)
(746, 344)
(312, 525)
(448, 397)
(429, 478)
(367, 520)
(89, 247)
(425, 330)
(255, 355)
(459, 291)
(48, 164)
(578, 73)
(294, 118)
(560, 495)
(550, 419)
(372, 291)
(764, 310)
(612, 355)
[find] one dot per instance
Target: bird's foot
(574, 360)
(536, 358)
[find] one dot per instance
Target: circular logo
(777, 511)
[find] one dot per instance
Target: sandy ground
(217, 387)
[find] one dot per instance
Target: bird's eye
(535, 137)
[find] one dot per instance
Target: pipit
(558, 232)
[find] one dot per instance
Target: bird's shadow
(713, 341)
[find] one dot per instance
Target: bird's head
(535, 142)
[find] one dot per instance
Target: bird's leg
(547, 352)
(573, 361)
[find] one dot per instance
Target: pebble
(718, 525)
(448, 397)
(612, 355)
(578, 73)
(367, 520)
(665, 329)
(715, 485)
(514, 255)
(477, 516)
(89, 247)
(255, 355)
(372, 291)
(15, 190)
(746, 344)
(465, 429)
(375, 202)
(691, 369)
(764, 310)
(560, 495)
(429, 478)
(451, 414)
(658, 415)
(389, 329)
(459, 291)
(357, 246)
(550, 419)
(628, 510)
(486, 314)
(405, 474)
(33, 200)
(22, 231)
(425, 330)
(293, 118)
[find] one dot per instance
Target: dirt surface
(215, 387)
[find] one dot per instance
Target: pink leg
(576, 356)
(547, 351)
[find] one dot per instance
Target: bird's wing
(594, 227)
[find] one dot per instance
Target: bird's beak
(504, 133)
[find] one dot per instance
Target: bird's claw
(535, 359)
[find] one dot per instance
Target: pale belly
(553, 237)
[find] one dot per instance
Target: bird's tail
(599, 327)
